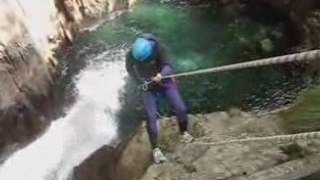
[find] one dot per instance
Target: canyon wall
(33, 36)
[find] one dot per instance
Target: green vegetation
(305, 115)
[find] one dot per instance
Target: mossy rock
(266, 45)
(195, 126)
(168, 134)
(294, 151)
(305, 115)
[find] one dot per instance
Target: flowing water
(89, 123)
(104, 105)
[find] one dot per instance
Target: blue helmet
(141, 49)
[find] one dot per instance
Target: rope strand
(278, 138)
(297, 57)
(305, 56)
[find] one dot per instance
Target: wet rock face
(125, 162)
(31, 43)
(256, 160)
(25, 82)
(305, 15)
(100, 166)
(302, 21)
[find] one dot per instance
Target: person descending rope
(147, 61)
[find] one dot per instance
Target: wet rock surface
(303, 14)
(257, 160)
(30, 62)
(25, 95)
(236, 161)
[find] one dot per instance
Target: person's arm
(165, 68)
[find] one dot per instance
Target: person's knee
(152, 115)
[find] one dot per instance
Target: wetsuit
(144, 71)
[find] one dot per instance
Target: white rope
(297, 57)
(278, 138)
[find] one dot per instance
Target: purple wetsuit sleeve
(166, 70)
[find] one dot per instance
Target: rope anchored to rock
(297, 57)
(278, 138)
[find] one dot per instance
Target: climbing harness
(278, 138)
(305, 56)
